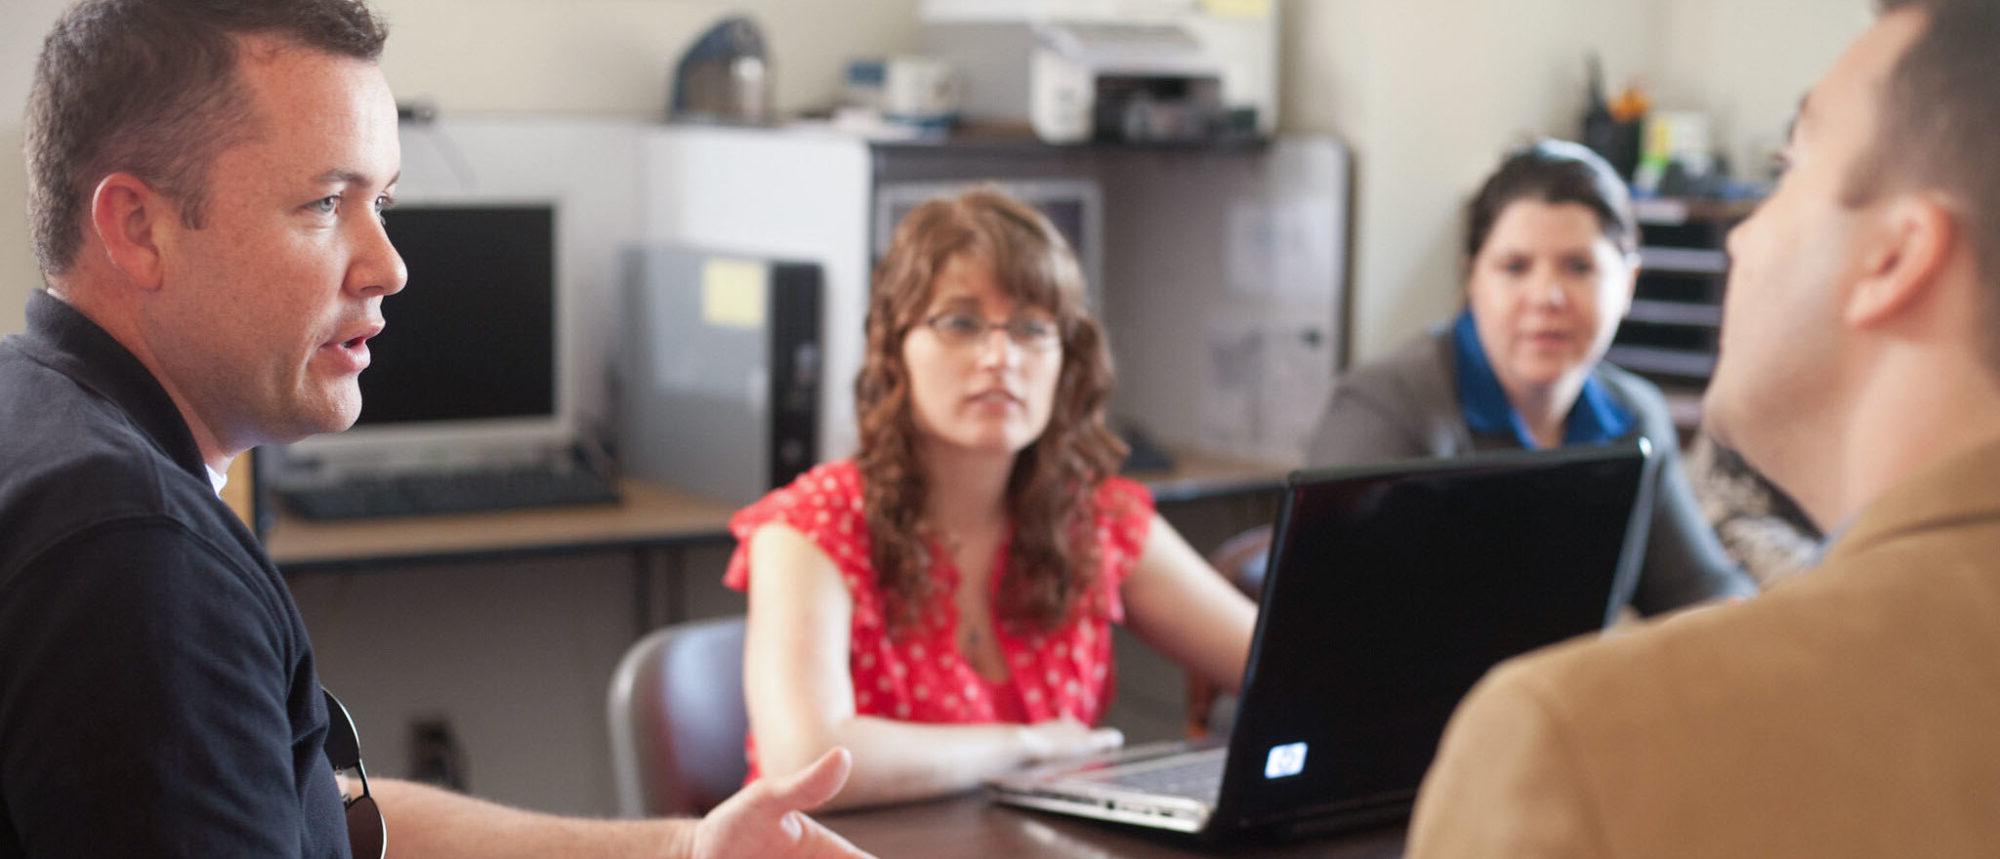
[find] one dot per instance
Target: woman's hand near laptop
(801, 695)
(1057, 739)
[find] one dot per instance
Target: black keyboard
(449, 492)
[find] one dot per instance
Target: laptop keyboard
(1195, 776)
(450, 492)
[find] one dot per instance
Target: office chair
(1240, 559)
(678, 720)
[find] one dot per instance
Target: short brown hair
(1553, 171)
(149, 87)
(1052, 561)
(1938, 125)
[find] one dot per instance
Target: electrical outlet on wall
(436, 758)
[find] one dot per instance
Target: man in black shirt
(206, 180)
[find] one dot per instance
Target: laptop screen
(1393, 589)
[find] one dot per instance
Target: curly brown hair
(1052, 559)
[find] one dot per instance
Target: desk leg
(642, 592)
(677, 589)
(647, 565)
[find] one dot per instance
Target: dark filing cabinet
(1673, 330)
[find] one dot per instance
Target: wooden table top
(1201, 475)
(650, 514)
(973, 826)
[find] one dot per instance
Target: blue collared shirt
(1595, 418)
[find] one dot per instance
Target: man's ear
(1907, 255)
(126, 215)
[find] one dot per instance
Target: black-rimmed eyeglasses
(367, 834)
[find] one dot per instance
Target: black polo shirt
(157, 694)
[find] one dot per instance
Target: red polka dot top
(921, 676)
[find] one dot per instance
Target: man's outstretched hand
(768, 819)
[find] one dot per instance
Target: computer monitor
(1074, 206)
(470, 363)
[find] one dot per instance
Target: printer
(1129, 83)
(1134, 71)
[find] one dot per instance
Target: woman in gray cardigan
(1550, 261)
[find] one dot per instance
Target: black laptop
(1391, 590)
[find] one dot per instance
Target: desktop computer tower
(719, 372)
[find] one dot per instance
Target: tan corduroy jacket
(1852, 711)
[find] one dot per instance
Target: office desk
(972, 826)
(1200, 476)
(650, 516)
(654, 523)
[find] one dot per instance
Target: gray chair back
(678, 719)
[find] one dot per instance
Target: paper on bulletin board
(1282, 249)
(1306, 243)
(1252, 250)
(1237, 8)
(1265, 383)
(732, 293)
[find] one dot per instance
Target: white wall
(614, 57)
(596, 57)
(515, 655)
(1428, 92)
(1431, 92)
(20, 41)
(1747, 64)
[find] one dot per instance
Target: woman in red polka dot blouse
(941, 603)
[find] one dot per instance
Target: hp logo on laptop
(1286, 760)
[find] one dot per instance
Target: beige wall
(614, 57)
(1747, 64)
(20, 41)
(1427, 91)
(1430, 92)
(515, 655)
(17, 263)
(597, 57)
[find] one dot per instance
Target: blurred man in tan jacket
(1854, 711)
